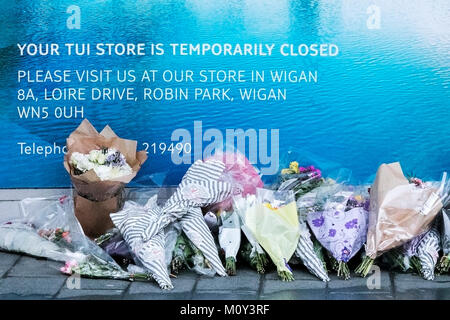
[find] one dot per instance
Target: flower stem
(230, 265)
(334, 263)
(259, 260)
(285, 276)
(444, 264)
(415, 262)
(364, 268)
(343, 270)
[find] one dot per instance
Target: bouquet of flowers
(401, 258)
(132, 221)
(99, 165)
(399, 211)
(444, 263)
(50, 230)
(22, 237)
(300, 180)
(244, 178)
(309, 251)
(251, 250)
(201, 186)
(230, 239)
(274, 223)
(341, 225)
(187, 255)
(107, 163)
(428, 253)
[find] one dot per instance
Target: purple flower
(318, 222)
(331, 232)
(116, 159)
(345, 253)
(352, 224)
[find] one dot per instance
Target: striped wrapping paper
(305, 251)
(132, 221)
(428, 252)
(200, 187)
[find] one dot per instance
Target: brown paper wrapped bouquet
(100, 165)
(399, 211)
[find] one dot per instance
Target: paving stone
(102, 284)
(30, 286)
(89, 294)
(8, 259)
(299, 294)
(32, 267)
(408, 286)
(275, 286)
(180, 286)
(244, 281)
(359, 296)
(298, 275)
(232, 295)
(159, 296)
(359, 284)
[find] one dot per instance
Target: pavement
(24, 277)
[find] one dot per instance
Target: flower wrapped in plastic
(245, 179)
(274, 223)
(230, 239)
(132, 221)
(300, 180)
(309, 251)
(187, 256)
(428, 252)
(48, 228)
(444, 263)
(99, 165)
(341, 225)
(201, 186)
(399, 211)
(251, 250)
(401, 258)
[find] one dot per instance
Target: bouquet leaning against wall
(100, 165)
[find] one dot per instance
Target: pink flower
(302, 169)
(66, 236)
(67, 269)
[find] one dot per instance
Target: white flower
(96, 160)
(93, 155)
(101, 158)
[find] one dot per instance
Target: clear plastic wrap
(274, 223)
(251, 250)
(230, 239)
(132, 221)
(428, 252)
(200, 187)
(399, 211)
(49, 229)
(444, 263)
(339, 223)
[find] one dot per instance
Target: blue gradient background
(384, 98)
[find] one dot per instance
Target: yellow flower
(294, 166)
(268, 205)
